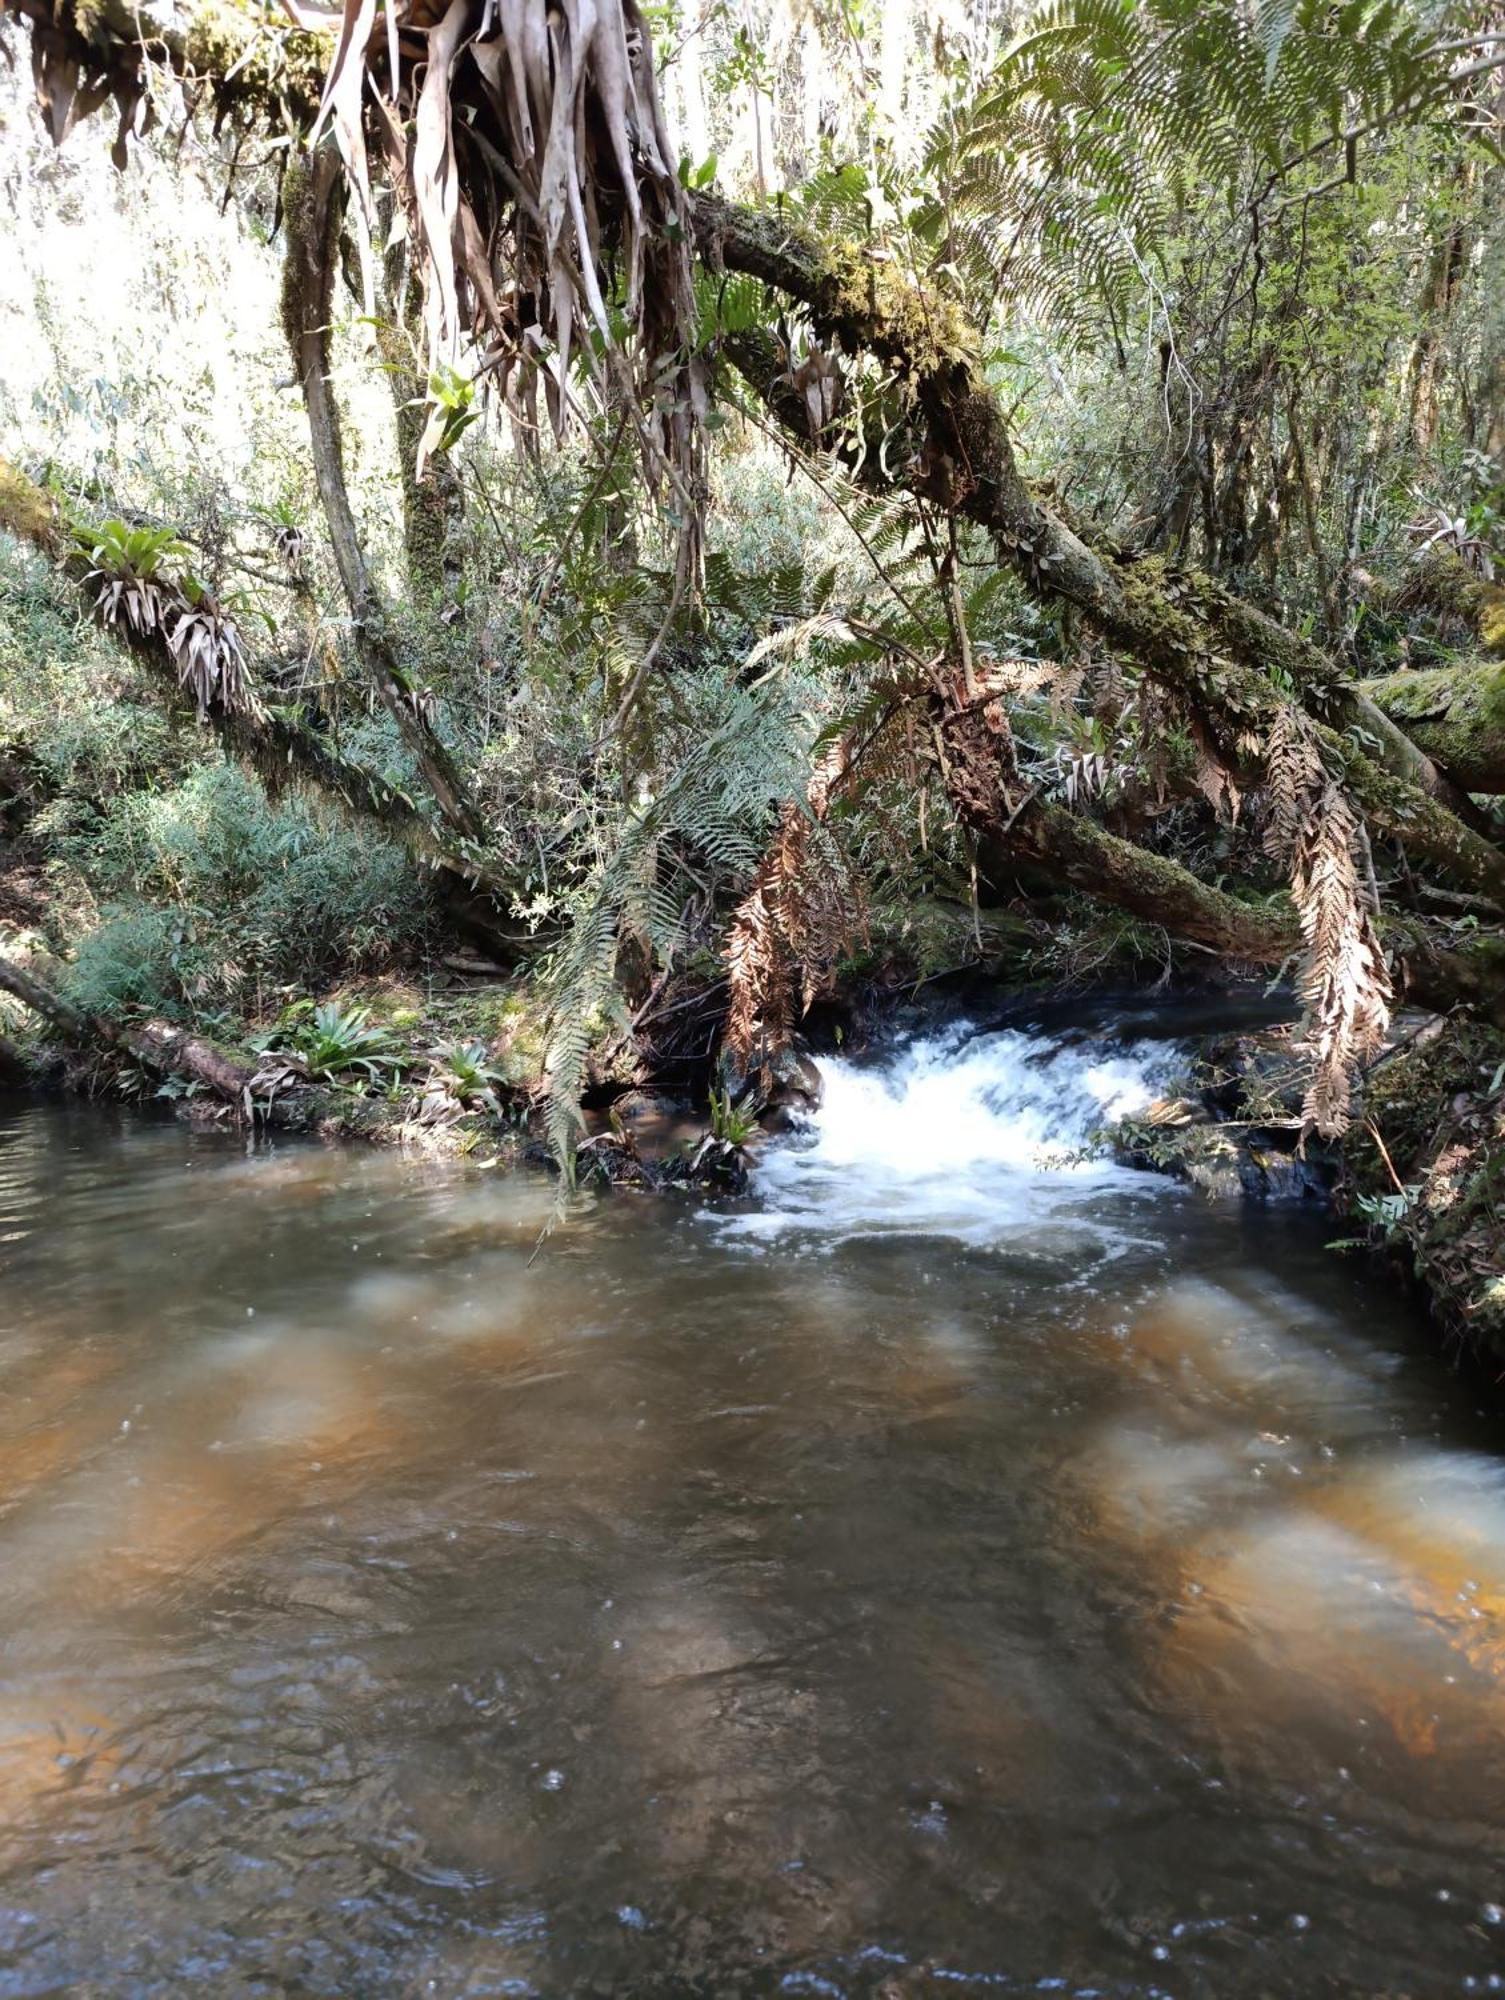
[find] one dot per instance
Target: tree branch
(1180, 626)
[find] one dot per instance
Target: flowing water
(956, 1568)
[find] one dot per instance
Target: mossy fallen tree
(1464, 603)
(1183, 628)
(158, 1046)
(1456, 714)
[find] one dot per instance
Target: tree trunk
(1456, 714)
(158, 1046)
(312, 202)
(433, 508)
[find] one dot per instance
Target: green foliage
(142, 959)
(711, 812)
(217, 898)
(335, 1040)
(452, 399)
(1063, 177)
(1387, 1213)
(70, 695)
(731, 1124)
(117, 549)
(461, 1077)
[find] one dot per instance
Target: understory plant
(336, 1041)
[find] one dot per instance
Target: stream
(962, 1566)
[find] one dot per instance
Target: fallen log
(1456, 714)
(1212, 650)
(1442, 583)
(165, 1050)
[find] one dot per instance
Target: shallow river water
(953, 1569)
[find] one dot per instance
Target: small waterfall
(978, 1136)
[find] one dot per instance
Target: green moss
(1455, 713)
(875, 306)
(25, 510)
(1443, 582)
(1491, 616)
(231, 43)
(1158, 622)
(297, 201)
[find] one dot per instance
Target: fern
(1312, 828)
(715, 805)
(1064, 174)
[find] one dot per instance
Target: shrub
(220, 897)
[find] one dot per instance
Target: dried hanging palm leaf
(138, 603)
(527, 145)
(210, 657)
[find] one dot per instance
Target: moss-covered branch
(275, 743)
(1456, 713)
(1151, 886)
(1213, 651)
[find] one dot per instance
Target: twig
(1374, 1133)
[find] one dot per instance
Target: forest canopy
(765, 477)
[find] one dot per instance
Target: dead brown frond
(803, 910)
(1105, 687)
(760, 1017)
(1311, 828)
(1345, 981)
(1214, 778)
(1015, 676)
(1295, 778)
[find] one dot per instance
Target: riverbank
(452, 1060)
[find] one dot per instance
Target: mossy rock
(1439, 1109)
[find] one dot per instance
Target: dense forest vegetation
(546, 541)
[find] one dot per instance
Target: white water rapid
(977, 1136)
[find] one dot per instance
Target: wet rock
(1270, 1169)
(715, 1165)
(1176, 1111)
(639, 1107)
(613, 1158)
(788, 1083)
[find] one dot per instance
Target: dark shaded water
(945, 1577)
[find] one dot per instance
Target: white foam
(973, 1136)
